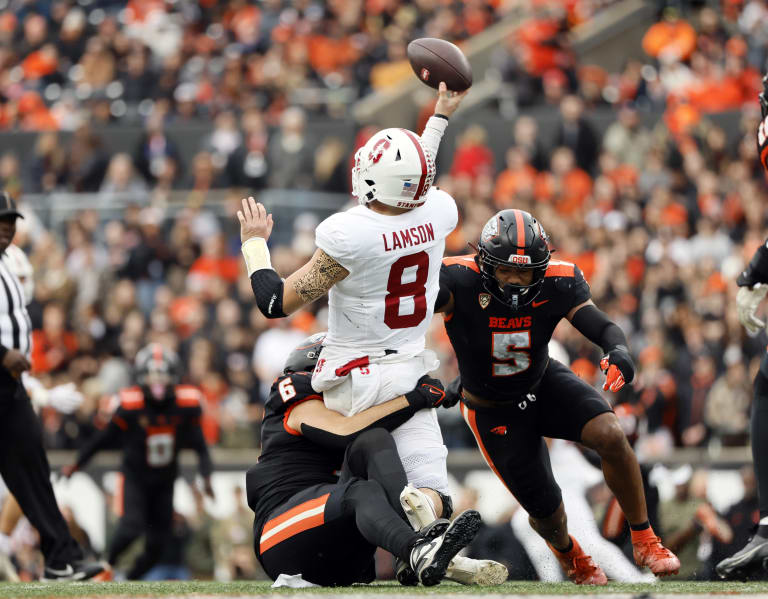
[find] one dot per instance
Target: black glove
(762, 129)
(428, 393)
(618, 367)
(452, 393)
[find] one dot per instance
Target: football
(435, 60)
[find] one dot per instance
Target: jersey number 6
(507, 347)
(396, 290)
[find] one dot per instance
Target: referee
(23, 463)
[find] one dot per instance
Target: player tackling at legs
(380, 264)
(501, 307)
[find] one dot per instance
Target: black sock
(377, 521)
(759, 433)
(642, 526)
(762, 531)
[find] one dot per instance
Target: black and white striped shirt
(15, 325)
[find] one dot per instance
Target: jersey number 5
(510, 347)
(396, 290)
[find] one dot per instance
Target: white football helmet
(393, 168)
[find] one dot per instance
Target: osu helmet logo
(424, 74)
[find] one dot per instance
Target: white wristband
(256, 254)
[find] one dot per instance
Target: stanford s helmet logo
(424, 74)
(484, 299)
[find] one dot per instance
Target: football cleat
(654, 555)
(482, 572)
(73, 572)
(430, 559)
(753, 556)
(578, 566)
(8, 571)
(403, 571)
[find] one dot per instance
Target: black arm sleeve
(268, 288)
(595, 325)
(757, 269)
(103, 438)
(197, 442)
(323, 437)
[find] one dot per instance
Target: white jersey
(387, 300)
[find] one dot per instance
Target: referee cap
(8, 206)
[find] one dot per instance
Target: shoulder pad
(467, 261)
(558, 268)
(188, 396)
(131, 398)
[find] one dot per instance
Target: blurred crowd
(660, 220)
(62, 65)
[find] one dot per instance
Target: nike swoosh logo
(68, 571)
(435, 391)
(424, 555)
(537, 304)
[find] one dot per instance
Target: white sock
(5, 544)
(764, 520)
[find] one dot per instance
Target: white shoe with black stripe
(430, 559)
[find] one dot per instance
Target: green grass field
(254, 589)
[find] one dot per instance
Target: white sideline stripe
(291, 521)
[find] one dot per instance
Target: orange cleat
(649, 551)
(579, 567)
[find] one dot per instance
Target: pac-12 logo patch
(424, 74)
(484, 299)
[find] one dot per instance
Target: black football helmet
(304, 357)
(157, 370)
(516, 239)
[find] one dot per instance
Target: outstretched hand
(448, 101)
(254, 220)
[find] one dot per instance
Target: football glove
(747, 301)
(618, 368)
(65, 398)
(762, 129)
(452, 393)
(428, 393)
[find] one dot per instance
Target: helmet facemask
(514, 239)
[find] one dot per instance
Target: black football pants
(328, 533)
(759, 434)
(147, 510)
(25, 470)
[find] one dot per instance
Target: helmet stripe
(423, 159)
(520, 222)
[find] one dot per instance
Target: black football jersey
(151, 433)
(502, 353)
(289, 462)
